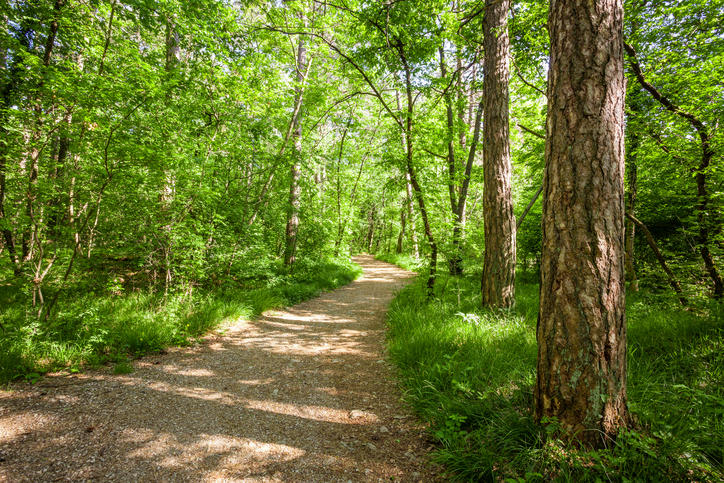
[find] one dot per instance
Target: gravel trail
(303, 394)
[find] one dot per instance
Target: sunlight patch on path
(302, 394)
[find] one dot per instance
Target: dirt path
(299, 395)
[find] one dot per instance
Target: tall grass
(470, 372)
(93, 328)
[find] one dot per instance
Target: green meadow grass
(470, 373)
(93, 328)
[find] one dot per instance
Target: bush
(94, 328)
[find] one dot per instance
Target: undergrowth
(470, 373)
(93, 328)
(402, 260)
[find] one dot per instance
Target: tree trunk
(168, 190)
(408, 188)
(455, 260)
(295, 171)
(8, 96)
(519, 221)
(581, 334)
(401, 236)
(340, 223)
(410, 212)
(370, 229)
(412, 176)
(498, 289)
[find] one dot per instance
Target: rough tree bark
(581, 376)
(498, 218)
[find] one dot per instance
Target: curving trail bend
(303, 394)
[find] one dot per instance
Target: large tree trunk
(581, 332)
(498, 288)
(295, 171)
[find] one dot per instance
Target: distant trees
(581, 377)
(181, 144)
(160, 147)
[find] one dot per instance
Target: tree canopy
(178, 148)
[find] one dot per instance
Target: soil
(303, 394)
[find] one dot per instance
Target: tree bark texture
(295, 171)
(499, 220)
(581, 333)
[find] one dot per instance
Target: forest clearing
(210, 212)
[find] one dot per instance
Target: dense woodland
(165, 166)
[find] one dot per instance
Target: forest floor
(303, 394)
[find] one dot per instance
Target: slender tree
(295, 171)
(581, 379)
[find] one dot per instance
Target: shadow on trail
(272, 399)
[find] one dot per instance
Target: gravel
(304, 394)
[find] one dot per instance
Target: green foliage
(105, 327)
(404, 260)
(123, 367)
(470, 374)
(145, 179)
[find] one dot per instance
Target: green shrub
(123, 367)
(92, 328)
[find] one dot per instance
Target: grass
(93, 328)
(402, 260)
(470, 374)
(123, 368)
